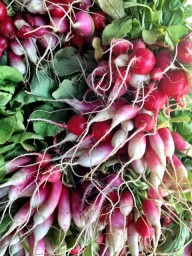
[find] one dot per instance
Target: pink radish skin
(181, 145)
(139, 165)
(39, 196)
(40, 248)
(20, 218)
(76, 210)
(120, 46)
(30, 49)
(64, 209)
(184, 49)
(28, 191)
(156, 168)
(49, 205)
(117, 219)
(20, 176)
(41, 230)
(153, 216)
(157, 145)
(14, 165)
(82, 107)
(169, 147)
(43, 159)
(126, 203)
(137, 146)
(83, 24)
(113, 181)
(60, 24)
(17, 62)
(181, 171)
(16, 48)
(96, 156)
(133, 239)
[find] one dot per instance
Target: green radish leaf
(5, 223)
(113, 8)
(150, 36)
(2, 167)
(4, 98)
(9, 74)
(7, 128)
(136, 29)
(117, 29)
(42, 85)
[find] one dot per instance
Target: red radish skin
(156, 74)
(3, 11)
(117, 219)
(155, 101)
(138, 44)
(99, 19)
(163, 59)
(51, 173)
(120, 46)
(157, 145)
(43, 159)
(181, 145)
(84, 4)
(137, 146)
(7, 28)
(146, 121)
(184, 51)
(83, 24)
(114, 181)
(144, 228)
(60, 25)
(126, 203)
(173, 83)
(77, 124)
(133, 239)
(3, 44)
(57, 9)
(169, 147)
(144, 61)
(64, 209)
(76, 209)
(76, 250)
(49, 205)
(99, 129)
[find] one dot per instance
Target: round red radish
(77, 124)
(163, 59)
(184, 51)
(155, 101)
(3, 11)
(7, 28)
(99, 19)
(138, 44)
(156, 74)
(57, 8)
(100, 129)
(173, 83)
(120, 46)
(121, 75)
(83, 24)
(144, 228)
(144, 61)
(76, 250)
(145, 120)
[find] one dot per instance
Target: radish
(3, 44)
(99, 19)
(174, 83)
(137, 146)
(36, 6)
(116, 240)
(146, 121)
(139, 165)
(144, 61)
(126, 203)
(184, 51)
(119, 138)
(64, 209)
(51, 173)
(138, 81)
(181, 172)
(30, 49)
(39, 196)
(7, 28)
(133, 239)
(157, 145)
(156, 74)
(163, 59)
(17, 62)
(169, 147)
(95, 156)
(3, 11)
(17, 163)
(21, 218)
(117, 219)
(20, 176)
(181, 145)
(144, 228)
(121, 60)
(120, 46)
(138, 44)
(83, 107)
(99, 130)
(57, 9)
(16, 47)
(60, 24)
(40, 248)
(153, 216)
(43, 159)
(16, 248)
(41, 230)
(48, 207)
(154, 101)
(83, 24)
(77, 124)
(76, 210)
(4, 191)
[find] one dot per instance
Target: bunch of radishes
(43, 26)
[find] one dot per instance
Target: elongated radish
(16, 47)
(30, 49)
(20, 218)
(116, 240)
(36, 6)
(76, 209)
(39, 195)
(51, 173)
(143, 227)
(152, 214)
(139, 165)
(118, 138)
(146, 121)
(40, 248)
(169, 147)
(181, 145)
(15, 164)
(17, 62)
(126, 203)
(83, 107)
(117, 219)
(157, 145)
(16, 248)
(155, 166)
(95, 156)
(49, 205)
(20, 176)
(181, 171)
(133, 239)
(42, 229)
(137, 146)
(64, 209)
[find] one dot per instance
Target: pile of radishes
(124, 166)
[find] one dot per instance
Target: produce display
(95, 127)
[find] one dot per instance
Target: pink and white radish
(126, 203)
(181, 145)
